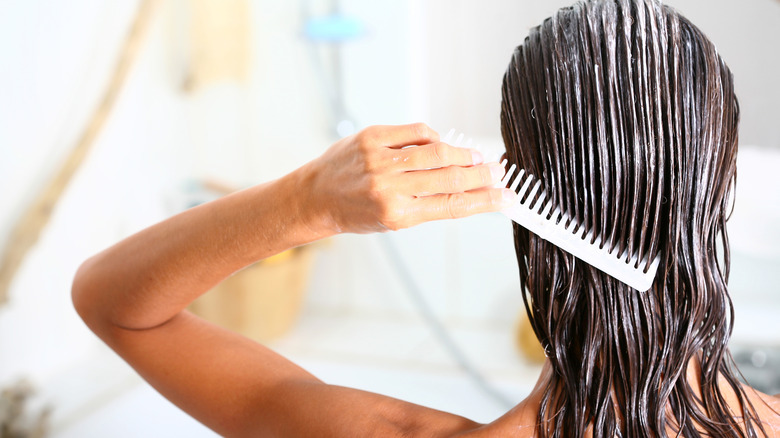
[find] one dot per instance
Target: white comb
(533, 213)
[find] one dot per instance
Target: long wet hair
(627, 113)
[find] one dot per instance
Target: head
(627, 113)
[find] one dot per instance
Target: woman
(627, 114)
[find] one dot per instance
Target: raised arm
(132, 295)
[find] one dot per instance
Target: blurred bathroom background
(224, 94)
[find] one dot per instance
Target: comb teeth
(533, 209)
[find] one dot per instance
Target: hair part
(627, 113)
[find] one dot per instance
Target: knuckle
(414, 159)
(454, 179)
(485, 176)
(391, 226)
(456, 206)
(367, 138)
(360, 136)
(370, 160)
(394, 225)
(440, 152)
(384, 212)
(376, 190)
(391, 214)
(494, 197)
(423, 131)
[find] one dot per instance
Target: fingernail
(476, 157)
(496, 172)
(508, 197)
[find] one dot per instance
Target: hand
(392, 177)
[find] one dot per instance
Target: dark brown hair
(627, 113)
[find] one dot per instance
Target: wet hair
(626, 112)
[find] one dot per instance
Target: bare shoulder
(768, 410)
(498, 429)
(519, 422)
(774, 403)
(769, 401)
(771, 416)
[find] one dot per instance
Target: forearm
(132, 294)
(367, 182)
(148, 278)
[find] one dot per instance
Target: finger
(436, 155)
(453, 179)
(457, 205)
(398, 136)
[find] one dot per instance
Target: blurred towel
(219, 39)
